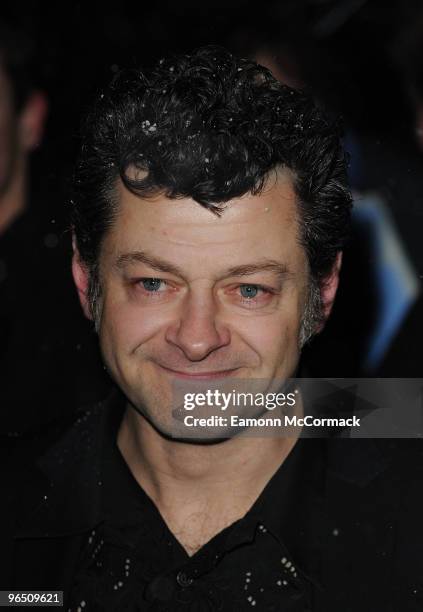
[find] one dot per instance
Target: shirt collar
(293, 504)
(289, 507)
(63, 491)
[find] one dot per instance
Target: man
(209, 216)
(22, 114)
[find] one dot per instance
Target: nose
(198, 331)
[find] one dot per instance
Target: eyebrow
(156, 263)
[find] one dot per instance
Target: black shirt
(268, 560)
(346, 513)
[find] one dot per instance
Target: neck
(193, 485)
(13, 201)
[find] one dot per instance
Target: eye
(249, 291)
(251, 295)
(152, 285)
(152, 290)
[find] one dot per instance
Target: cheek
(271, 336)
(126, 325)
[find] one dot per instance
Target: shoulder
(28, 449)
(374, 505)
(57, 453)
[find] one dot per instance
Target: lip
(200, 375)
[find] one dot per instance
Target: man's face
(188, 296)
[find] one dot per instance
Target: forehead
(183, 231)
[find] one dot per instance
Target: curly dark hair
(211, 127)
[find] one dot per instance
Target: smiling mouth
(200, 375)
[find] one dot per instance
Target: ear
(81, 278)
(328, 290)
(32, 120)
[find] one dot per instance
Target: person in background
(39, 355)
(23, 109)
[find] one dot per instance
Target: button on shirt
(267, 560)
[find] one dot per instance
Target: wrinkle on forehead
(250, 228)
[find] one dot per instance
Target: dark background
(345, 51)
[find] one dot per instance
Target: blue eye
(151, 284)
(249, 291)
